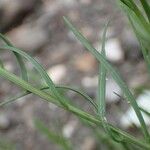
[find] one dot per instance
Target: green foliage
(140, 24)
(52, 93)
(57, 138)
(115, 74)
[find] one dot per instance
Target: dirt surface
(38, 28)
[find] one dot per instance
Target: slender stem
(146, 7)
(25, 85)
(115, 74)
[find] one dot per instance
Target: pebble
(89, 82)
(111, 87)
(114, 52)
(57, 73)
(9, 66)
(4, 121)
(88, 144)
(130, 117)
(69, 128)
(28, 37)
(85, 63)
(52, 106)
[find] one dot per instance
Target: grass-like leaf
(102, 81)
(81, 114)
(54, 96)
(128, 95)
(18, 58)
(80, 92)
(140, 26)
(146, 7)
(102, 92)
(101, 99)
(42, 72)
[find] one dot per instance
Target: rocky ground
(37, 27)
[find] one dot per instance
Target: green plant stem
(80, 92)
(144, 50)
(146, 7)
(115, 74)
(25, 85)
(18, 58)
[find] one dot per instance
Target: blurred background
(37, 27)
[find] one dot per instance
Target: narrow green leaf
(135, 10)
(18, 58)
(41, 70)
(102, 92)
(101, 99)
(47, 97)
(102, 81)
(144, 50)
(141, 30)
(146, 7)
(116, 76)
(80, 92)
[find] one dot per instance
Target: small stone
(130, 117)
(28, 37)
(85, 63)
(9, 66)
(114, 52)
(57, 73)
(69, 128)
(111, 87)
(89, 82)
(87, 32)
(88, 144)
(4, 122)
(52, 106)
